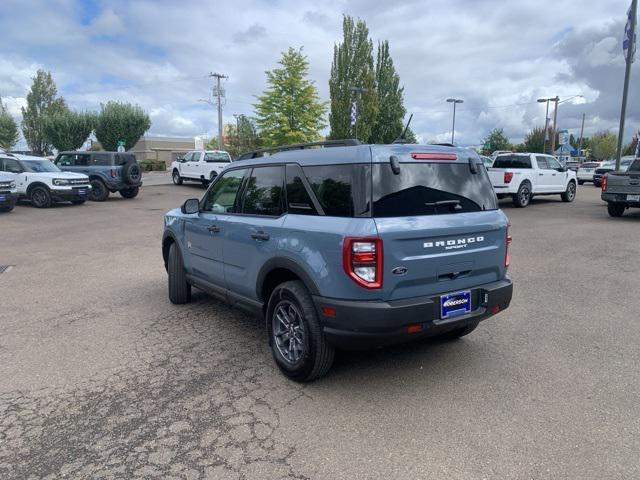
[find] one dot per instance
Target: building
(162, 149)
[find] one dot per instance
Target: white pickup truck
(523, 175)
(199, 165)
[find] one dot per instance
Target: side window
(342, 190)
(65, 161)
(82, 160)
(542, 162)
(12, 166)
(263, 194)
(101, 159)
(221, 197)
(553, 163)
(195, 156)
(188, 157)
(298, 198)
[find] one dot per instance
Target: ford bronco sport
(346, 247)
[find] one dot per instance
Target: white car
(586, 172)
(40, 181)
(523, 175)
(199, 165)
(8, 192)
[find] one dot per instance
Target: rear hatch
(440, 227)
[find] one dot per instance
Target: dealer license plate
(633, 198)
(454, 304)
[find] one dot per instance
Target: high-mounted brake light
(604, 183)
(507, 255)
(434, 156)
(362, 261)
(508, 176)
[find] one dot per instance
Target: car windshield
(608, 165)
(635, 166)
(589, 165)
(39, 166)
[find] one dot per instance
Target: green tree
(534, 141)
(496, 140)
(289, 110)
(388, 125)
(245, 136)
(9, 134)
(603, 145)
(630, 148)
(352, 67)
(41, 101)
(68, 130)
(121, 121)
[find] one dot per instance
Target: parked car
(499, 152)
(572, 165)
(523, 175)
(40, 181)
(108, 172)
(8, 192)
(621, 189)
(586, 171)
(345, 247)
(199, 165)
(607, 167)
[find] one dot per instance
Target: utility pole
(555, 119)
(455, 101)
(219, 93)
(627, 74)
(581, 136)
(546, 123)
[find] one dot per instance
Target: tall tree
(496, 140)
(352, 67)
(41, 101)
(68, 130)
(9, 134)
(121, 121)
(534, 140)
(603, 145)
(389, 122)
(289, 110)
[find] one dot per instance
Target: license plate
(3, 198)
(633, 198)
(453, 304)
(82, 192)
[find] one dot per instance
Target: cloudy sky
(498, 56)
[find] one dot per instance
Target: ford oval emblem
(399, 271)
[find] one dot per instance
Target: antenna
(401, 138)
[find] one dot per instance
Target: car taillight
(508, 176)
(114, 173)
(604, 183)
(509, 239)
(362, 261)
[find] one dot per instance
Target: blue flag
(628, 43)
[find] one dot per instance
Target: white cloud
(107, 23)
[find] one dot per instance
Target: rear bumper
(117, 185)
(361, 324)
(618, 198)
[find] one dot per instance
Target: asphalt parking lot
(103, 378)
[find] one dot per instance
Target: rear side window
(342, 190)
(512, 161)
(102, 159)
(123, 158)
(298, 198)
(430, 189)
(263, 193)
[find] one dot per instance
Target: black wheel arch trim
(38, 184)
(288, 264)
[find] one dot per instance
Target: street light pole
(627, 76)
(555, 119)
(453, 127)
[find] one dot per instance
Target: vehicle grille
(79, 182)
(6, 185)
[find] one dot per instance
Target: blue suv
(342, 245)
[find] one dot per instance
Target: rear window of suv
(512, 161)
(430, 189)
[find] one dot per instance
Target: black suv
(107, 171)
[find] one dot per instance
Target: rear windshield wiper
(445, 203)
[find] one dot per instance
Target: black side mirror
(190, 206)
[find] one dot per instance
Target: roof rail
(349, 142)
(444, 144)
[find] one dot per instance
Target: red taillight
(362, 261)
(434, 156)
(114, 173)
(604, 183)
(509, 239)
(508, 176)
(414, 328)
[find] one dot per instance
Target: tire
(291, 302)
(131, 192)
(459, 332)
(523, 197)
(179, 288)
(99, 191)
(177, 179)
(131, 173)
(597, 184)
(580, 182)
(40, 197)
(78, 202)
(569, 194)
(616, 209)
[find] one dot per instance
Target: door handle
(260, 236)
(214, 228)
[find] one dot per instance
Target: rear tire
(179, 288)
(292, 318)
(40, 197)
(131, 192)
(459, 332)
(177, 179)
(99, 191)
(570, 193)
(523, 197)
(616, 209)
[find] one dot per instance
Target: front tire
(616, 209)
(99, 191)
(580, 182)
(569, 194)
(523, 197)
(177, 179)
(179, 288)
(131, 192)
(297, 343)
(40, 197)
